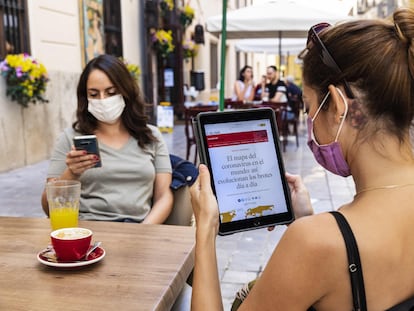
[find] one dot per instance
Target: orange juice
(64, 217)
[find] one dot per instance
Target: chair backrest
(189, 114)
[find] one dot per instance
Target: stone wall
(27, 135)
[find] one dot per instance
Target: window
(112, 27)
(14, 32)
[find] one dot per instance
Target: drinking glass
(63, 198)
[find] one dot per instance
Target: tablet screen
(247, 172)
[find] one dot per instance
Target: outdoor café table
(145, 267)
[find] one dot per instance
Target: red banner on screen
(240, 138)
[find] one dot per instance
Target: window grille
(14, 32)
(113, 27)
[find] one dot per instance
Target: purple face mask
(329, 156)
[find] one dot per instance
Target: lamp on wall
(199, 34)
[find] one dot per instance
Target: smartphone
(88, 143)
(242, 151)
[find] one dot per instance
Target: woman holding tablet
(361, 104)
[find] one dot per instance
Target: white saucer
(48, 258)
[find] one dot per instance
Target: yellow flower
(163, 42)
(26, 78)
(186, 15)
(133, 69)
(169, 4)
(189, 11)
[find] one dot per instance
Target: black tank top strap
(355, 267)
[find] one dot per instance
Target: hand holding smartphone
(88, 143)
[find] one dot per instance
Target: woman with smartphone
(129, 179)
(358, 82)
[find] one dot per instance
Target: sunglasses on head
(326, 57)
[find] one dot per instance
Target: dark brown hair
(377, 58)
(133, 116)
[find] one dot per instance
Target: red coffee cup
(71, 244)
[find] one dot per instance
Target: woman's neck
(381, 162)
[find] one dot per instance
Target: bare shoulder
(313, 231)
(308, 252)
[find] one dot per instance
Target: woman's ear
(337, 103)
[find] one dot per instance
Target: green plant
(189, 48)
(26, 78)
(186, 15)
(133, 69)
(163, 42)
(167, 5)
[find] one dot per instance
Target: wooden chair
(189, 114)
(237, 104)
(277, 108)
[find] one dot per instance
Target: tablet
(242, 151)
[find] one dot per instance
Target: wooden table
(145, 268)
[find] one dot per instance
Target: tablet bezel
(204, 118)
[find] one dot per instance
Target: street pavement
(241, 256)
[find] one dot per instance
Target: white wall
(55, 34)
(28, 135)
(130, 31)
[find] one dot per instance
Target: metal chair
(189, 114)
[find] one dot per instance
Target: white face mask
(107, 110)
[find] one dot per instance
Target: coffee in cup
(71, 244)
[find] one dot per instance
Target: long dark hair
(133, 116)
(381, 70)
(242, 71)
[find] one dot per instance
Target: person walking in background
(360, 112)
(133, 183)
(277, 90)
(244, 86)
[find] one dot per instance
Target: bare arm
(277, 97)
(77, 162)
(252, 91)
(162, 200)
(206, 293)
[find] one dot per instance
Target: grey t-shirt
(123, 187)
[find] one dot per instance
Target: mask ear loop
(320, 106)
(343, 117)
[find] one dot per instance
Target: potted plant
(189, 48)
(133, 69)
(163, 42)
(186, 15)
(26, 78)
(166, 5)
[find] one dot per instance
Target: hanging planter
(189, 48)
(166, 6)
(134, 70)
(26, 78)
(163, 42)
(186, 15)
